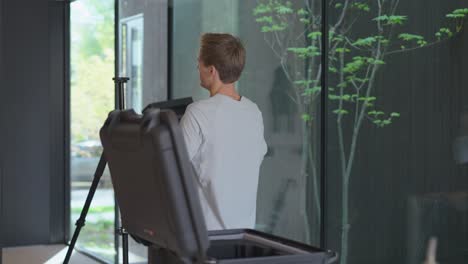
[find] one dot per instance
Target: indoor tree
(292, 29)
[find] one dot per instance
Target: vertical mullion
(67, 121)
(170, 13)
(116, 106)
(324, 123)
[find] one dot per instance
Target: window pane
(143, 58)
(132, 58)
(92, 97)
(284, 86)
(143, 51)
(397, 130)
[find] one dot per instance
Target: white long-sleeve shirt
(226, 146)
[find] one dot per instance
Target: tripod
(120, 104)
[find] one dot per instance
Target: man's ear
(212, 69)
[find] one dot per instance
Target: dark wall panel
(32, 123)
(58, 82)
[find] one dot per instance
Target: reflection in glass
(142, 52)
(132, 59)
(283, 83)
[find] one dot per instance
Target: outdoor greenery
(92, 67)
(293, 31)
(98, 233)
(92, 97)
(94, 209)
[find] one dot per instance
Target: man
(224, 137)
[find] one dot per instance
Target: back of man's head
(225, 52)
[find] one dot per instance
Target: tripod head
(119, 92)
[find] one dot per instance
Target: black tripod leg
(125, 246)
(81, 221)
(122, 232)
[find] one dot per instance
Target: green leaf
(340, 112)
(391, 20)
(342, 85)
(361, 6)
(302, 12)
(395, 114)
(408, 37)
(344, 97)
(306, 52)
(386, 122)
(443, 31)
(421, 43)
(311, 91)
(265, 19)
(274, 28)
(355, 65)
(306, 117)
(303, 82)
(262, 9)
(375, 62)
(304, 20)
(367, 99)
(284, 9)
(338, 5)
(381, 18)
(361, 80)
(376, 113)
(314, 35)
(455, 15)
(463, 11)
(342, 50)
(335, 37)
(379, 62)
(397, 20)
(365, 41)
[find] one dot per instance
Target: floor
(50, 254)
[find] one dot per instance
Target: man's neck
(225, 89)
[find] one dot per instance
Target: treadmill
(155, 188)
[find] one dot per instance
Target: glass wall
(143, 57)
(91, 99)
(397, 173)
(282, 77)
(396, 119)
(396, 112)
(143, 29)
